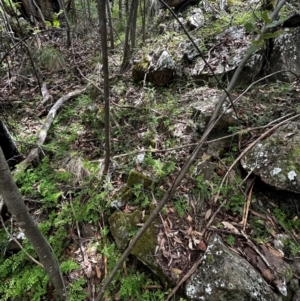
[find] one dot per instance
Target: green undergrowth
(58, 203)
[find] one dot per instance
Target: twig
(253, 246)
(17, 242)
(247, 206)
(185, 277)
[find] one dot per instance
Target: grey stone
(276, 159)
(225, 276)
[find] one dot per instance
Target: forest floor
(66, 192)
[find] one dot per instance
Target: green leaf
(56, 23)
(270, 35)
(265, 17)
(48, 24)
(252, 49)
(274, 24)
(249, 27)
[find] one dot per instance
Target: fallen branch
(34, 153)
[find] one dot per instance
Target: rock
(285, 55)
(190, 52)
(224, 57)
(123, 225)
(180, 5)
(224, 275)
(157, 69)
(196, 19)
(276, 159)
(140, 69)
(203, 109)
(162, 69)
(126, 194)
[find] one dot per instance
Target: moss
(144, 250)
(136, 177)
(123, 225)
(296, 152)
(140, 69)
(126, 194)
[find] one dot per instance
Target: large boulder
(157, 69)
(276, 159)
(225, 55)
(224, 275)
(285, 55)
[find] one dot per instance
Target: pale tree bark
(15, 204)
(103, 35)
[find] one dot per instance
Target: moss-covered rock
(123, 227)
(134, 179)
(140, 69)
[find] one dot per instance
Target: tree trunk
(103, 35)
(15, 204)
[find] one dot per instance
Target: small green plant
(181, 205)
(142, 197)
(161, 169)
(230, 240)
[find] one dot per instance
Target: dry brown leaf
(175, 273)
(207, 214)
(202, 246)
(89, 271)
(230, 227)
(189, 218)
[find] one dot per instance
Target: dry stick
(195, 144)
(186, 276)
(185, 168)
(264, 135)
(261, 79)
(46, 126)
(247, 206)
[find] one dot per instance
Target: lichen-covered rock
(123, 225)
(285, 55)
(162, 69)
(276, 159)
(224, 57)
(224, 275)
(196, 19)
(140, 69)
(189, 51)
(202, 111)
